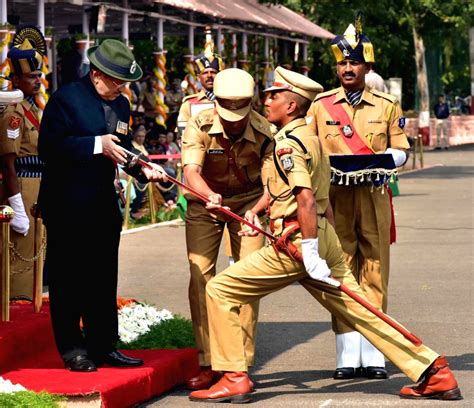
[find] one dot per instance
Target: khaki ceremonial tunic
(205, 144)
(362, 217)
(185, 111)
(18, 135)
(266, 271)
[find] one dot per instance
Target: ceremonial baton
(135, 159)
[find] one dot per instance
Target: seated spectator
(140, 189)
(172, 149)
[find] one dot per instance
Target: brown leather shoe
(233, 387)
(439, 383)
(204, 380)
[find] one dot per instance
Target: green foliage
(169, 334)
(163, 214)
(28, 399)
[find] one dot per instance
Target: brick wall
(460, 129)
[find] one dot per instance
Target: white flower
(6, 386)
(137, 319)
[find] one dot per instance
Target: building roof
(251, 11)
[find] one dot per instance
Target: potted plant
(48, 35)
(81, 41)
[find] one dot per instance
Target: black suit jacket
(76, 184)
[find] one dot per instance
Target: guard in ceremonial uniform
(209, 65)
(221, 155)
(21, 167)
(353, 120)
(297, 181)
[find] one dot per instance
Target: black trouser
(82, 260)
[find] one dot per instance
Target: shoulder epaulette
(326, 94)
(205, 117)
(261, 124)
(384, 95)
(187, 98)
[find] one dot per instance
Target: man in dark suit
(82, 127)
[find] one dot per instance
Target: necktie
(354, 97)
(210, 95)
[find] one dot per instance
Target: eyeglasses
(117, 82)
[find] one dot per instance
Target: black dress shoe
(80, 363)
(375, 373)
(116, 359)
(346, 373)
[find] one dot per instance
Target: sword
(135, 159)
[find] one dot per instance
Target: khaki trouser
(363, 221)
(204, 232)
(21, 272)
(266, 271)
(442, 129)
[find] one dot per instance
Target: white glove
(399, 156)
(20, 222)
(316, 267)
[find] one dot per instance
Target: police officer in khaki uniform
(21, 167)
(209, 65)
(221, 155)
(297, 181)
(352, 120)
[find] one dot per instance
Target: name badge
(215, 151)
(122, 128)
(374, 121)
(333, 122)
(347, 131)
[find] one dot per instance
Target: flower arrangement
(6, 386)
(136, 319)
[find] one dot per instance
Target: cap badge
(347, 131)
(346, 52)
(133, 67)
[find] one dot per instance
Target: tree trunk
(471, 54)
(423, 90)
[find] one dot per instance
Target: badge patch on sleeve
(287, 163)
(284, 150)
(401, 122)
(14, 122)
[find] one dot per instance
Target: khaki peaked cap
(286, 80)
(236, 87)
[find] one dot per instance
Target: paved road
(431, 291)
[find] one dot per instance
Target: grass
(163, 214)
(29, 399)
(169, 334)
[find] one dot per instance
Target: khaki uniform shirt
(378, 120)
(18, 134)
(196, 99)
(229, 168)
(307, 170)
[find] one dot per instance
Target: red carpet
(28, 357)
